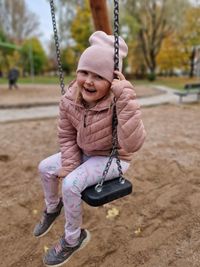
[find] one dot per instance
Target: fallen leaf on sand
(112, 213)
(35, 212)
(45, 249)
(138, 231)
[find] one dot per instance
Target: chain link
(56, 39)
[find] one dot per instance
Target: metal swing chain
(114, 152)
(116, 67)
(116, 34)
(56, 39)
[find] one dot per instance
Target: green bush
(151, 77)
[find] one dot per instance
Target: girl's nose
(89, 80)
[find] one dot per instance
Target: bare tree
(16, 20)
(156, 19)
(66, 11)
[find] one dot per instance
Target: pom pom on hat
(99, 56)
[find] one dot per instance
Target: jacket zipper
(84, 120)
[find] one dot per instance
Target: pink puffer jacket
(89, 131)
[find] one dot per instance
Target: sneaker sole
(84, 243)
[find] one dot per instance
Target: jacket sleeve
(130, 129)
(67, 134)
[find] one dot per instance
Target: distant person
(13, 76)
(85, 137)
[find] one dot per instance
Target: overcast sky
(42, 9)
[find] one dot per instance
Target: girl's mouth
(90, 90)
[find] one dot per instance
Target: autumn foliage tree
(156, 19)
(189, 35)
(172, 56)
(177, 51)
(81, 28)
(33, 53)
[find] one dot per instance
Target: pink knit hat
(99, 56)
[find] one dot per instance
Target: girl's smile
(90, 90)
(92, 87)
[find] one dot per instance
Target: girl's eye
(100, 77)
(83, 72)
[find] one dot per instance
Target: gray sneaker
(47, 221)
(62, 252)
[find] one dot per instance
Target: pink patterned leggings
(87, 174)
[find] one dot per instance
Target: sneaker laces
(62, 244)
(58, 247)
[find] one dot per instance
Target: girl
(85, 137)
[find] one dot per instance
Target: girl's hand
(61, 174)
(120, 77)
(119, 85)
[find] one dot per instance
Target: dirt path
(157, 226)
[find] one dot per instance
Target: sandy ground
(34, 95)
(157, 226)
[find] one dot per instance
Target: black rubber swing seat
(111, 190)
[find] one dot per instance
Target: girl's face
(92, 87)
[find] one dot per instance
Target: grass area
(173, 82)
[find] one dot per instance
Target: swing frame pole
(100, 16)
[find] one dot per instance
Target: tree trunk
(191, 74)
(100, 16)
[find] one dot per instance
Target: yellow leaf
(138, 231)
(112, 213)
(35, 212)
(45, 249)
